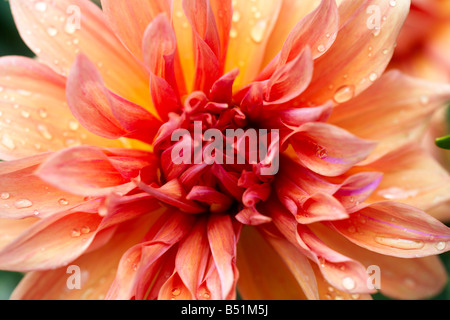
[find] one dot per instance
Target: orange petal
(356, 66)
(35, 114)
(84, 28)
(395, 229)
(413, 177)
(129, 19)
(10, 229)
(397, 106)
(25, 195)
(264, 274)
(253, 22)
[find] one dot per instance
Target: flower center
(214, 158)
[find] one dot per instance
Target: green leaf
(443, 142)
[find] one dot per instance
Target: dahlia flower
(93, 178)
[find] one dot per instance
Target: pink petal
(222, 242)
(87, 171)
(329, 157)
(395, 229)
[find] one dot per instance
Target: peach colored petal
(51, 243)
(351, 65)
(395, 229)
(24, 195)
(174, 289)
(416, 278)
(35, 117)
(10, 229)
(396, 106)
(101, 171)
(84, 29)
(264, 275)
(130, 18)
(249, 37)
(413, 177)
(222, 241)
(328, 292)
(191, 264)
(96, 275)
(317, 31)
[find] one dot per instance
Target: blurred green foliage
(11, 44)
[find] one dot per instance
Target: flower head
(115, 166)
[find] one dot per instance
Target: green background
(11, 44)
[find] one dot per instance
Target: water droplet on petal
(373, 76)
(63, 202)
(392, 3)
(23, 204)
(85, 230)
(348, 283)
(76, 233)
(440, 245)
(404, 244)
(4, 195)
(176, 292)
(321, 152)
(8, 142)
(321, 48)
(52, 31)
(344, 94)
(40, 6)
(258, 31)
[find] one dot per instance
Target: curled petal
(318, 153)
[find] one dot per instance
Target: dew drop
(424, 100)
(43, 113)
(70, 28)
(8, 142)
(321, 152)
(85, 230)
(258, 31)
(23, 204)
(25, 114)
(373, 76)
(40, 6)
(344, 94)
(440, 245)
(63, 202)
(233, 33)
(404, 244)
(176, 292)
(348, 283)
(74, 125)
(321, 48)
(392, 3)
(52, 31)
(44, 132)
(4, 196)
(76, 233)
(236, 16)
